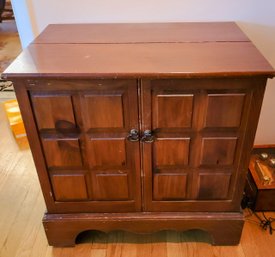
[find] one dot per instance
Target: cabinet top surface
(140, 50)
(141, 33)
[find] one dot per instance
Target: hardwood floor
(22, 207)
(22, 233)
(9, 43)
(10, 47)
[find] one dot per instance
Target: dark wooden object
(260, 196)
(141, 131)
(6, 12)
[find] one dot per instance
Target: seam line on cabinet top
(141, 42)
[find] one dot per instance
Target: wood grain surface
(140, 60)
(141, 32)
(86, 147)
(22, 233)
(124, 56)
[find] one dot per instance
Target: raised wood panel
(69, 187)
(214, 149)
(173, 111)
(53, 111)
(171, 151)
(103, 111)
(213, 186)
(110, 187)
(169, 186)
(224, 110)
(107, 152)
(62, 152)
(218, 151)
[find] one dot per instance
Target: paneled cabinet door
(198, 130)
(84, 138)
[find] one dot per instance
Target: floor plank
(114, 245)
(159, 244)
(257, 242)
(10, 45)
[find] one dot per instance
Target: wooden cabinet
(141, 132)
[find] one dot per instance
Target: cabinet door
(198, 125)
(107, 117)
(83, 129)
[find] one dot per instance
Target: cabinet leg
(61, 237)
(226, 234)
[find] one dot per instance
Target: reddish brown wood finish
(231, 104)
(60, 107)
(62, 153)
(198, 92)
(85, 145)
(182, 60)
(208, 153)
(169, 186)
(69, 187)
(141, 32)
(223, 228)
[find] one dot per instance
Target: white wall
(256, 18)
(23, 22)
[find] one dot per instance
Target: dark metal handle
(133, 136)
(148, 136)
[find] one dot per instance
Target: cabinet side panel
(250, 131)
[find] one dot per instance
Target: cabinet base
(224, 228)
